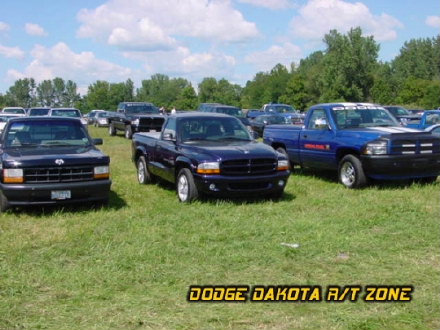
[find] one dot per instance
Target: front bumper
(40, 194)
(241, 185)
(401, 166)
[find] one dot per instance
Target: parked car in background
(101, 119)
(402, 114)
(132, 117)
(51, 160)
(209, 153)
(429, 118)
(434, 129)
(92, 115)
(68, 112)
(416, 112)
(38, 112)
(285, 110)
(5, 117)
(15, 110)
(259, 123)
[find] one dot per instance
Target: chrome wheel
(141, 172)
(183, 188)
(348, 174)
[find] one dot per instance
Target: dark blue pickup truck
(360, 141)
(208, 153)
(51, 160)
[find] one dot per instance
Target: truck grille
(58, 174)
(412, 147)
(152, 123)
(248, 167)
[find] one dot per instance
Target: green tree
(22, 93)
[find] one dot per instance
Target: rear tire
(185, 186)
(350, 172)
(143, 174)
(111, 129)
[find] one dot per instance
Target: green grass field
(130, 265)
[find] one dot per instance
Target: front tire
(4, 205)
(111, 129)
(128, 132)
(351, 174)
(185, 186)
(143, 174)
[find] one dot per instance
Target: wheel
(128, 132)
(4, 205)
(111, 129)
(143, 174)
(283, 151)
(276, 195)
(351, 173)
(185, 186)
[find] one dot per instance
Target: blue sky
(113, 40)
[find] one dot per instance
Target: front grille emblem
(59, 162)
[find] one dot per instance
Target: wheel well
(341, 153)
(278, 145)
(138, 154)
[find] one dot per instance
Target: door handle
(305, 136)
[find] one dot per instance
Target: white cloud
(433, 21)
(318, 17)
(267, 59)
(4, 26)
(61, 61)
(158, 24)
(270, 4)
(11, 52)
(35, 30)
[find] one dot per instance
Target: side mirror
(265, 122)
(97, 142)
(168, 137)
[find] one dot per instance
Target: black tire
(111, 129)
(427, 180)
(276, 195)
(185, 186)
(350, 172)
(143, 174)
(128, 132)
(4, 205)
(283, 151)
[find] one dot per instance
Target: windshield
(38, 112)
(46, 133)
(67, 113)
(141, 108)
(275, 120)
(14, 110)
(361, 116)
(398, 111)
(236, 112)
(280, 108)
(212, 129)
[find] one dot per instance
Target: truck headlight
(101, 172)
(135, 122)
(209, 168)
(376, 148)
(283, 165)
(13, 175)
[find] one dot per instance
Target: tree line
(347, 70)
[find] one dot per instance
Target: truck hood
(230, 150)
(46, 156)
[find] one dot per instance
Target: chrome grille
(58, 174)
(249, 167)
(412, 147)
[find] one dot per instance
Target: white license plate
(60, 194)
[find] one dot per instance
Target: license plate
(60, 194)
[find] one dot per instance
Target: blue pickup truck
(209, 153)
(429, 118)
(359, 140)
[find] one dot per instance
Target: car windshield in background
(361, 116)
(39, 112)
(275, 119)
(14, 111)
(280, 108)
(212, 129)
(236, 112)
(4, 119)
(398, 111)
(66, 113)
(46, 133)
(139, 109)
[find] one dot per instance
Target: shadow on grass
(332, 177)
(237, 200)
(115, 203)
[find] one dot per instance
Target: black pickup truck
(207, 153)
(132, 117)
(51, 160)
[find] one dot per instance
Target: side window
(318, 120)
(170, 128)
